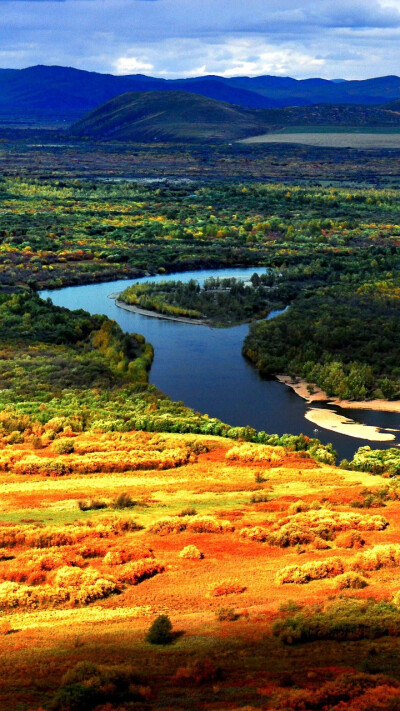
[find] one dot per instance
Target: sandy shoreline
(154, 314)
(317, 395)
(331, 420)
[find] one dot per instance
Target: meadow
(364, 140)
(256, 554)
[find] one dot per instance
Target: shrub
(201, 671)
(255, 533)
(383, 556)
(189, 511)
(126, 555)
(315, 570)
(196, 524)
(92, 505)
(349, 539)
(191, 552)
(160, 631)
(344, 619)
(259, 498)
(63, 446)
(133, 573)
(227, 587)
(227, 614)
(75, 697)
(124, 501)
(351, 580)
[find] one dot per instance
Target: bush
(124, 501)
(75, 697)
(63, 446)
(92, 505)
(201, 671)
(191, 552)
(349, 539)
(351, 580)
(315, 570)
(227, 587)
(189, 511)
(344, 619)
(227, 614)
(160, 632)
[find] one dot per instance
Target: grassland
(212, 538)
(361, 140)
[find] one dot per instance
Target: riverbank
(331, 420)
(312, 393)
(154, 314)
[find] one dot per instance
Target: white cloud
(132, 65)
(191, 37)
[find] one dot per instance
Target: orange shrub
(119, 557)
(256, 454)
(315, 570)
(69, 585)
(349, 539)
(351, 580)
(255, 533)
(226, 587)
(195, 524)
(191, 552)
(133, 573)
(96, 462)
(383, 556)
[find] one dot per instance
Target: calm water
(204, 367)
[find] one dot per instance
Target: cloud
(132, 65)
(188, 37)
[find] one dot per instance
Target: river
(204, 367)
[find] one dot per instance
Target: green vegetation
(376, 461)
(344, 619)
(160, 631)
(221, 301)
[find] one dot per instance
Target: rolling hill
(169, 116)
(183, 116)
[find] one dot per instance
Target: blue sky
(351, 39)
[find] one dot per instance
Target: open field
(210, 532)
(359, 140)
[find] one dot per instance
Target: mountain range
(64, 93)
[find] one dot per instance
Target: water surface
(204, 367)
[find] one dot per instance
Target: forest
(332, 254)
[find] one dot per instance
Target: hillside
(182, 116)
(169, 116)
(49, 93)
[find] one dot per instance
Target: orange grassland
(82, 580)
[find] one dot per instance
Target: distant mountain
(169, 116)
(64, 93)
(182, 116)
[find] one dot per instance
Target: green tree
(160, 632)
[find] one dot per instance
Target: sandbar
(331, 420)
(155, 314)
(302, 388)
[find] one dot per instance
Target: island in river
(216, 302)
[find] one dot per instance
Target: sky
(348, 39)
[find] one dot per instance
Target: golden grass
(102, 572)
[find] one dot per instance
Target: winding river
(204, 367)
